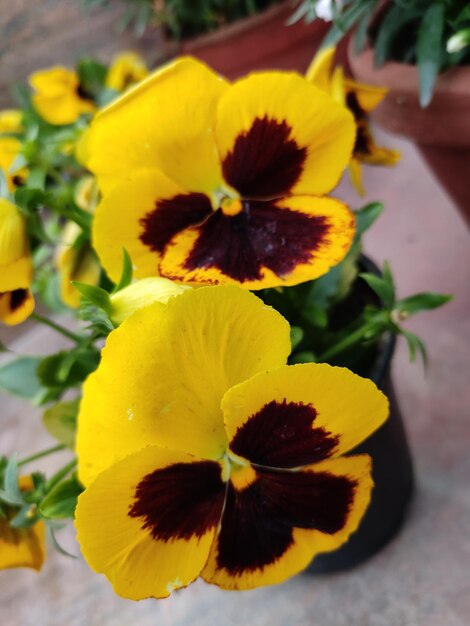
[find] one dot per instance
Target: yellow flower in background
(206, 182)
(16, 268)
(10, 147)
(360, 99)
(141, 293)
(126, 69)
(204, 454)
(75, 261)
(58, 97)
(22, 547)
(86, 194)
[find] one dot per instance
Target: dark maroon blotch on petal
(258, 522)
(171, 216)
(262, 235)
(17, 298)
(265, 162)
(281, 434)
(180, 501)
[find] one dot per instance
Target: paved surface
(422, 577)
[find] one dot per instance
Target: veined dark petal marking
(262, 235)
(265, 161)
(17, 298)
(171, 216)
(281, 434)
(180, 501)
(257, 523)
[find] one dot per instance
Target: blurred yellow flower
(126, 69)
(58, 97)
(16, 268)
(10, 147)
(86, 193)
(360, 99)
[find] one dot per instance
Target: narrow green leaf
(296, 336)
(382, 288)
(94, 295)
(428, 51)
(61, 501)
(307, 356)
(415, 344)
(25, 518)
(425, 301)
(20, 378)
(127, 271)
(11, 482)
(60, 421)
(366, 216)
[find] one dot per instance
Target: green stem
(57, 477)
(345, 343)
(60, 329)
(43, 453)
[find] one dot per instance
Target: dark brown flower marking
(363, 142)
(282, 435)
(17, 298)
(263, 235)
(181, 501)
(171, 217)
(257, 524)
(265, 161)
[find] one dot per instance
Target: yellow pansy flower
(360, 99)
(204, 454)
(22, 547)
(206, 182)
(126, 69)
(58, 97)
(75, 261)
(10, 147)
(16, 268)
(86, 194)
(141, 293)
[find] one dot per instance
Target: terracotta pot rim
(403, 77)
(244, 24)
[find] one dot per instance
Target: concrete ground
(422, 577)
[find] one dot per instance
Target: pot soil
(262, 41)
(392, 467)
(441, 131)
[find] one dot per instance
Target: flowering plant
(211, 430)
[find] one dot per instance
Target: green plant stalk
(57, 327)
(43, 453)
(59, 475)
(345, 343)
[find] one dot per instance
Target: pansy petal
(273, 526)
(13, 242)
(142, 216)
(22, 547)
(165, 122)
(279, 134)
(301, 414)
(16, 306)
(268, 244)
(165, 370)
(319, 71)
(148, 522)
(368, 96)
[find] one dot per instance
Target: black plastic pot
(392, 474)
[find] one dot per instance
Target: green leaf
(67, 369)
(382, 288)
(25, 518)
(95, 295)
(306, 356)
(315, 315)
(11, 492)
(391, 25)
(4, 191)
(60, 421)
(422, 302)
(296, 336)
(61, 501)
(429, 50)
(127, 271)
(415, 345)
(92, 76)
(20, 378)
(366, 216)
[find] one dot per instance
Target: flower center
(231, 206)
(240, 472)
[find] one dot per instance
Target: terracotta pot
(441, 131)
(392, 471)
(263, 41)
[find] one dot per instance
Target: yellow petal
(165, 122)
(355, 174)
(279, 134)
(269, 244)
(165, 369)
(11, 121)
(368, 96)
(86, 194)
(274, 527)
(320, 69)
(142, 293)
(321, 410)
(126, 69)
(126, 218)
(13, 242)
(380, 156)
(16, 306)
(148, 522)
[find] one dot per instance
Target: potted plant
(420, 51)
(232, 37)
(213, 413)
